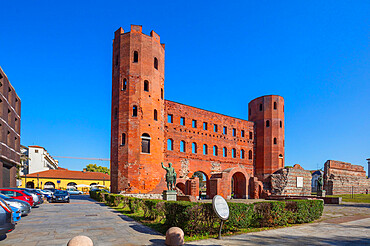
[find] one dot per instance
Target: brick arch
(207, 179)
(220, 184)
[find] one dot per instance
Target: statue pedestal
(321, 193)
(170, 195)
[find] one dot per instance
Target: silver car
(23, 206)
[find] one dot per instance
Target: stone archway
(30, 184)
(71, 185)
(238, 186)
(203, 184)
(49, 185)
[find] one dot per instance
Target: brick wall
(344, 178)
(284, 182)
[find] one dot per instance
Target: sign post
(221, 209)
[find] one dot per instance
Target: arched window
(124, 84)
(250, 155)
(233, 153)
(242, 154)
(205, 149)
(146, 85)
(134, 111)
(161, 93)
(145, 143)
(155, 63)
(225, 130)
(155, 114)
(267, 123)
(169, 144)
(136, 56)
(275, 141)
(71, 185)
(194, 148)
(261, 107)
(224, 152)
(250, 135)
(182, 146)
(242, 133)
(215, 150)
(275, 105)
(281, 124)
(123, 140)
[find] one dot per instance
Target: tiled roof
(68, 174)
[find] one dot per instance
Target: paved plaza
(56, 224)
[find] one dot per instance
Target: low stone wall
(144, 196)
(291, 182)
(344, 178)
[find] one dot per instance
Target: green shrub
(199, 218)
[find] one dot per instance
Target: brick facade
(147, 130)
(344, 178)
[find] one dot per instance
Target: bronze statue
(319, 184)
(170, 176)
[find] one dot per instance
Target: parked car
(74, 191)
(22, 205)
(7, 223)
(60, 196)
(37, 197)
(16, 213)
(18, 194)
(50, 189)
(46, 193)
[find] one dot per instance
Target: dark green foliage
(199, 218)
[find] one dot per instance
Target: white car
(73, 191)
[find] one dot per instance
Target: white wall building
(40, 160)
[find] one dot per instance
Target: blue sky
(315, 54)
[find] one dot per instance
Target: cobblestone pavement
(56, 224)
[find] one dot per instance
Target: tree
(95, 168)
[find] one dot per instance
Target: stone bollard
(80, 241)
(174, 236)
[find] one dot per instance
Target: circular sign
(220, 207)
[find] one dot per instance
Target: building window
(170, 118)
(233, 153)
(116, 64)
(161, 93)
(250, 155)
(215, 128)
(145, 143)
(182, 121)
(36, 151)
(194, 148)
(215, 150)
(205, 127)
(234, 132)
(134, 111)
(267, 123)
(146, 85)
(136, 56)
(250, 135)
(155, 63)
(275, 141)
(224, 152)
(115, 113)
(124, 84)
(169, 144)
(225, 130)
(242, 133)
(194, 124)
(155, 115)
(275, 105)
(182, 146)
(123, 140)
(261, 107)
(281, 124)
(205, 149)
(242, 154)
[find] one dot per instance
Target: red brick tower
(137, 138)
(267, 113)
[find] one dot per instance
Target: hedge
(199, 218)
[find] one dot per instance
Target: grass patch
(357, 198)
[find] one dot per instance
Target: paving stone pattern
(56, 224)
